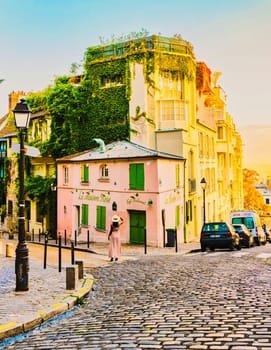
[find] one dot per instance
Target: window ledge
(104, 179)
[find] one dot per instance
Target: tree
(253, 200)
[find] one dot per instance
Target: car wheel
(231, 246)
(203, 249)
(238, 247)
(212, 249)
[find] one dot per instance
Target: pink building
(143, 186)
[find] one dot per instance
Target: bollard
(72, 253)
(59, 254)
(9, 250)
(88, 238)
(80, 269)
(71, 277)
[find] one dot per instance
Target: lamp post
(22, 116)
(203, 183)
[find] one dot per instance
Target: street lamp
(203, 183)
(22, 116)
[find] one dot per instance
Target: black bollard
(45, 252)
(145, 240)
(75, 238)
(176, 240)
(39, 235)
(65, 237)
(72, 253)
(33, 235)
(59, 253)
(88, 238)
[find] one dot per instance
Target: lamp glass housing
(203, 183)
(22, 114)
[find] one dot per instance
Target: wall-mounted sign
(92, 197)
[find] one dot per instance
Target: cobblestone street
(213, 300)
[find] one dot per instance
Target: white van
(252, 221)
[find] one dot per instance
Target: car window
(215, 227)
(247, 221)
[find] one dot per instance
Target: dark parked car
(246, 237)
(219, 235)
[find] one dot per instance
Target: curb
(12, 329)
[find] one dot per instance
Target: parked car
(252, 220)
(219, 235)
(246, 237)
(267, 233)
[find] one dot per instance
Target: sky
(41, 39)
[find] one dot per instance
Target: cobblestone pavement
(47, 287)
(214, 300)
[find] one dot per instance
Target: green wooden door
(137, 226)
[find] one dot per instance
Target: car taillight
(202, 235)
(228, 234)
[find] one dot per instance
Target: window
(101, 217)
(84, 220)
(267, 201)
(136, 173)
(172, 110)
(220, 133)
(66, 175)
(104, 171)
(85, 173)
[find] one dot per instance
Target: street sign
(29, 150)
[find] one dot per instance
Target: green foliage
(38, 188)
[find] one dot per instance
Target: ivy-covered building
(154, 89)
(151, 91)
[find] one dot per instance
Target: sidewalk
(47, 296)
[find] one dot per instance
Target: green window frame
(85, 173)
(84, 219)
(100, 217)
(136, 176)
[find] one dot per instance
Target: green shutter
(177, 216)
(132, 175)
(140, 176)
(177, 175)
(101, 217)
(84, 214)
(86, 173)
(136, 176)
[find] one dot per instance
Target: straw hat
(115, 218)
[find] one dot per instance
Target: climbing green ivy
(98, 107)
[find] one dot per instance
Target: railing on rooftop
(150, 43)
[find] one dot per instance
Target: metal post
(145, 240)
(45, 252)
(88, 238)
(72, 253)
(75, 238)
(22, 260)
(65, 237)
(59, 253)
(176, 240)
(204, 213)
